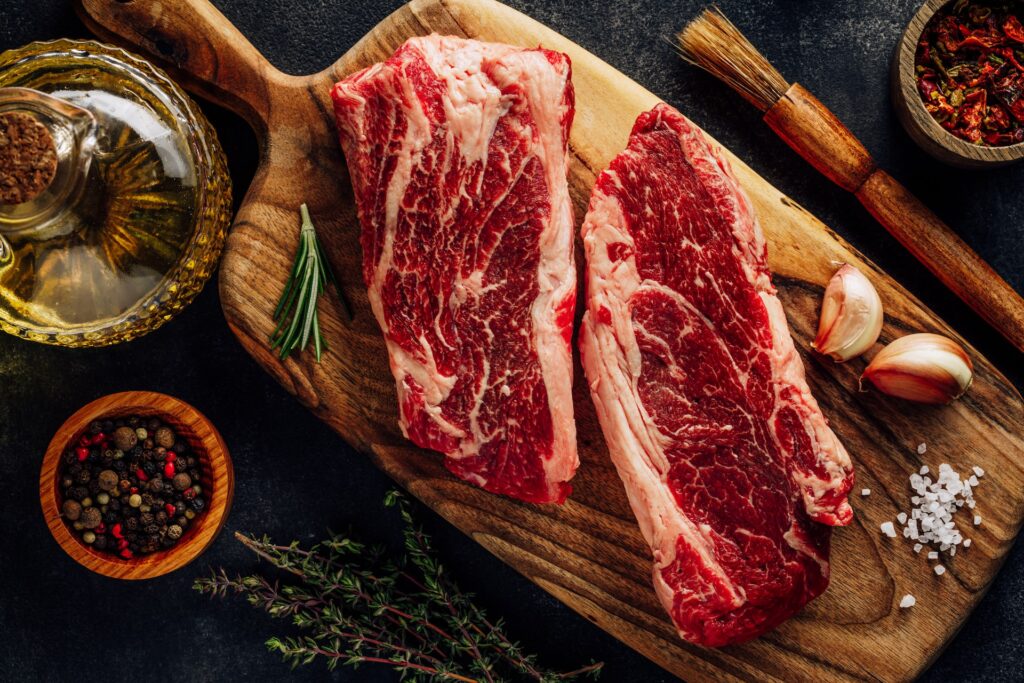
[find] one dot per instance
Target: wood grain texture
(218, 482)
(589, 553)
(814, 132)
(919, 124)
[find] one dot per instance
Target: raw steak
(729, 465)
(457, 151)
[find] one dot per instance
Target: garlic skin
(851, 316)
(924, 367)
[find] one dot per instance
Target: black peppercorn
(67, 482)
(146, 518)
(100, 543)
(156, 485)
(153, 424)
(94, 487)
(131, 524)
(110, 517)
(152, 529)
(160, 517)
(149, 468)
(197, 504)
(69, 457)
(147, 499)
(83, 477)
(79, 493)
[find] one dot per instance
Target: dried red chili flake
(970, 70)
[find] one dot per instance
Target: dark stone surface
(295, 478)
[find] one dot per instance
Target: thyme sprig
(356, 606)
(296, 314)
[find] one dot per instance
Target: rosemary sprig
(356, 607)
(296, 312)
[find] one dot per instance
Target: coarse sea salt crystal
(921, 448)
(929, 523)
(865, 492)
(908, 601)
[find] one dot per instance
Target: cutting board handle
(196, 43)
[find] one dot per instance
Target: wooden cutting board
(589, 553)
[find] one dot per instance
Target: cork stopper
(28, 158)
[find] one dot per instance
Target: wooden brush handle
(818, 136)
(195, 42)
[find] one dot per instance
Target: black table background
(295, 478)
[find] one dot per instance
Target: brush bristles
(712, 42)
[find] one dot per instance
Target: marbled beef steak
(729, 465)
(457, 153)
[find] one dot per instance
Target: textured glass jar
(134, 222)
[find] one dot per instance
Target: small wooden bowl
(925, 130)
(218, 483)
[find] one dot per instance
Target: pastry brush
(713, 43)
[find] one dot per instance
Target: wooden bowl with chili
(217, 482)
(958, 81)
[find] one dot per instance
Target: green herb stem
(357, 607)
(296, 314)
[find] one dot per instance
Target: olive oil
(140, 225)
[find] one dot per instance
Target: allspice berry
(125, 438)
(164, 437)
(108, 480)
(91, 518)
(182, 481)
(72, 509)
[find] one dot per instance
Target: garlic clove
(851, 316)
(924, 367)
